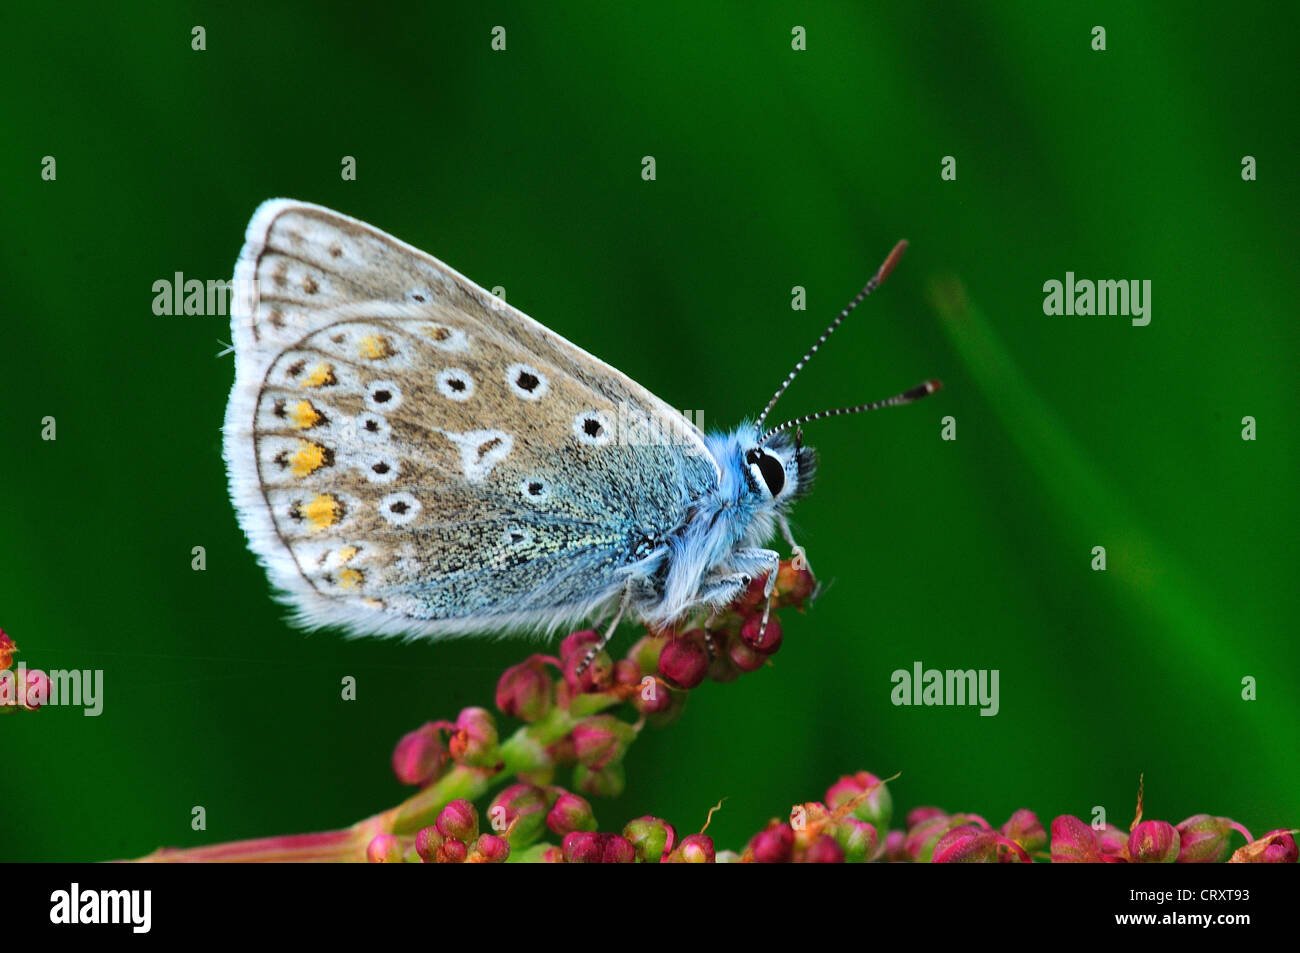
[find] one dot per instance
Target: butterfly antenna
(881, 274)
(898, 400)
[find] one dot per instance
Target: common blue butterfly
(410, 455)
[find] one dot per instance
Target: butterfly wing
(408, 454)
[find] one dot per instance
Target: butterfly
(410, 455)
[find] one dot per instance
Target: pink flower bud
(451, 852)
(775, 845)
(1114, 843)
(617, 849)
(694, 849)
(651, 837)
(524, 690)
(857, 838)
(384, 849)
(420, 755)
(458, 820)
(896, 847)
(489, 849)
(570, 813)
(1203, 839)
(966, 845)
(824, 850)
(427, 842)
(1153, 842)
(793, 586)
(651, 695)
(918, 814)
(599, 674)
(924, 835)
(475, 740)
(771, 637)
(518, 813)
(1074, 842)
(684, 661)
(1025, 829)
(1275, 847)
(552, 855)
(583, 847)
(601, 740)
(743, 657)
(876, 808)
(7, 650)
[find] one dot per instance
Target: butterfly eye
(771, 469)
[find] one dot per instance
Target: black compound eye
(770, 467)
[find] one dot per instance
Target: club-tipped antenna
(881, 274)
(906, 397)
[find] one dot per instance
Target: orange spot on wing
(309, 458)
(305, 416)
(323, 511)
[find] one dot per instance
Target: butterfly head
(781, 470)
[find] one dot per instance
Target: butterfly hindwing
(409, 454)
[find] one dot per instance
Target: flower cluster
(26, 689)
(567, 704)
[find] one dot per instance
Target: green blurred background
(775, 168)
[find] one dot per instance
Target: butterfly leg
(800, 560)
(609, 632)
(768, 561)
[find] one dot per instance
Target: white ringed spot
(383, 396)
(400, 508)
(455, 384)
(592, 428)
(527, 382)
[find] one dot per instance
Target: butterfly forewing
(409, 454)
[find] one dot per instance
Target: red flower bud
(1153, 842)
(858, 839)
(684, 661)
(599, 674)
(1025, 829)
(524, 690)
(427, 842)
(451, 852)
(876, 807)
(651, 837)
(458, 820)
(896, 847)
(775, 845)
(743, 657)
(793, 586)
(489, 849)
(772, 637)
(694, 849)
(1114, 843)
(420, 755)
(384, 849)
(652, 696)
(518, 813)
(582, 847)
(918, 814)
(1275, 847)
(966, 845)
(1203, 839)
(475, 740)
(1074, 842)
(570, 813)
(824, 850)
(601, 740)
